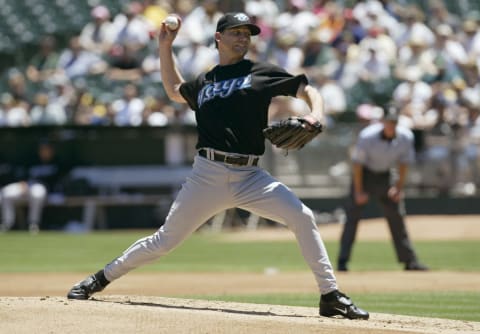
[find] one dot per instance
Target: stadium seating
(24, 22)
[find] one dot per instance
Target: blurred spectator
(76, 62)
(368, 114)
(373, 82)
(332, 20)
(469, 37)
(183, 7)
(415, 57)
(183, 115)
(125, 64)
(131, 28)
(377, 38)
(200, 24)
(257, 10)
(195, 58)
(285, 53)
(335, 101)
(371, 14)
(92, 112)
(62, 93)
(128, 110)
(470, 94)
(414, 28)
(19, 88)
(374, 66)
(151, 66)
(157, 110)
(447, 48)
(296, 19)
(413, 95)
(280, 108)
(12, 113)
(82, 104)
(439, 14)
(443, 157)
(456, 114)
(41, 177)
(267, 10)
(352, 31)
(98, 35)
(319, 7)
(413, 99)
(99, 113)
(318, 53)
(155, 11)
(46, 112)
(392, 7)
(349, 66)
(44, 63)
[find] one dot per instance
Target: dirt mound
(137, 314)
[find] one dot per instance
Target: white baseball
(171, 22)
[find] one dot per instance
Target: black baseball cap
(232, 20)
(390, 113)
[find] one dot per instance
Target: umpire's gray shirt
(380, 155)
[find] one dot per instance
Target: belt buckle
(231, 156)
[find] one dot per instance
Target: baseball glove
(292, 133)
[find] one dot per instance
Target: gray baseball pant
(36, 194)
(213, 187)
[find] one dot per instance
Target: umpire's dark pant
(377, 185)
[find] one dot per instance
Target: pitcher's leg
(273, 200)
(199, 199)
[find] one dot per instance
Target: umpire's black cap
(390, 113)
(232, 20)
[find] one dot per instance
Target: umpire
(380, 148)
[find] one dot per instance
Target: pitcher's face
(235, 40)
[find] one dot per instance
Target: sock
(100, 276)
(330, 296)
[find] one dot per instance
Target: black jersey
(231, 104)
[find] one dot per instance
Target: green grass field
(59, 252)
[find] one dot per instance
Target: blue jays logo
(223, 89)
(241, 17)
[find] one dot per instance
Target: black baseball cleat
(415, 266)
(86, 288)
(336, 303)
(342, 266)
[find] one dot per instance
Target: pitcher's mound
(141, 314)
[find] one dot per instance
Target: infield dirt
(35, 303)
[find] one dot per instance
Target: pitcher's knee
(303, 218)
(163, 243)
